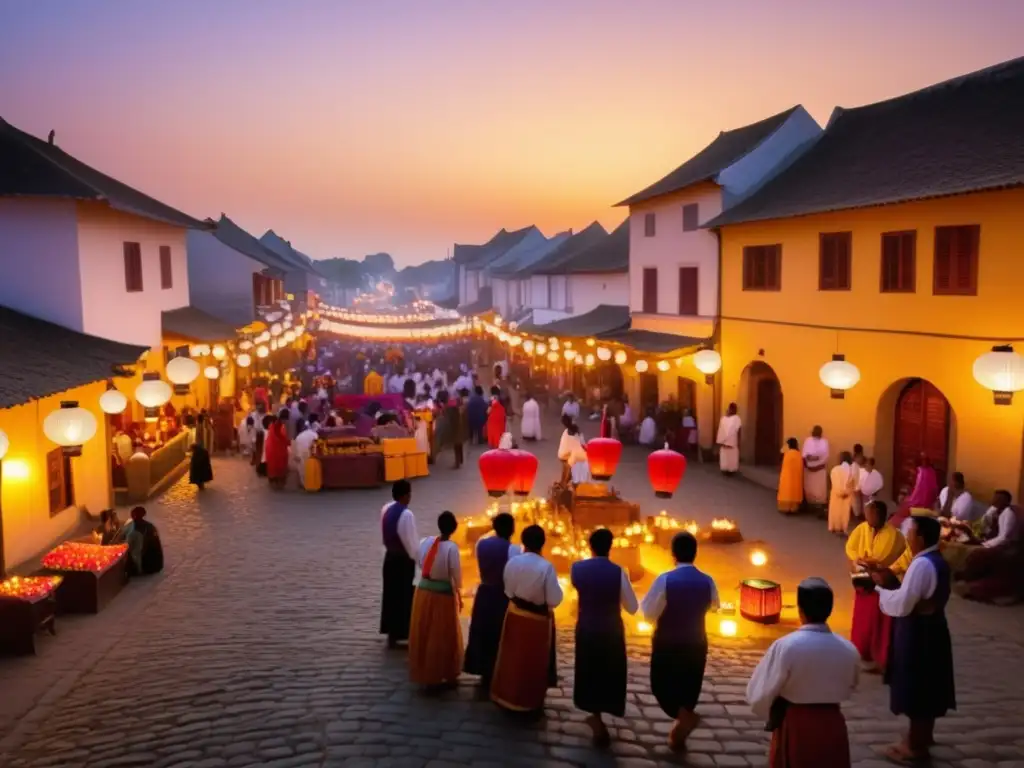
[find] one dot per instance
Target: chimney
(51, 137)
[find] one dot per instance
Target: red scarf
(428, 561)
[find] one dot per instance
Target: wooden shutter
(691, 215)
(650, 224)
(688, 290)
(166, 272)
(650, 298)
(899, 262)
(773, 267)
(55, 480)
(956, 260)
(132, 267)
(834, 261)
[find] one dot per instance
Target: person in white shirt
(302, 448)
(728, 441)
(572, 450)
(800, 683)
(999, 523)
(525, 667)
(840, 501)
(571, 408)
(401, 550)
(816, 453)
(955, 503)
(677, 604)
(871, 482)
(435, 634)
(529, 426)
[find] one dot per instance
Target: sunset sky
(352, 127)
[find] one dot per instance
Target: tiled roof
(196, 325)
(604, 318)
(652, 342)
(725, 150)
(478, 256)
(40, 358)
(609, 254)
(33, 168)
(235, 237)
(583, 239)
(515, 260)
(962, 135)
(284, 250)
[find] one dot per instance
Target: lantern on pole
(526, 472)
(498, 471)
(603, 454)
(665, 470)
(70, 426)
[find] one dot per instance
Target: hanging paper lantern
(542, 348)
(664, 365)
(498, 471)
(243, 360)
(839, 375)
(113, 401)
(641, 366)
(708, 362)
(603, 454)
(219, 352)
(245, 344)
(553, 357)
(152, 393)
(526, 472)
(181, 372)
(665, 470)
(70, 426)
(604, 354)
(1002, 372)
(211, 372)
(262, 351)
(620, 356)
(528, 346)
(199, 350)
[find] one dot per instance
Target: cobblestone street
(258, 646)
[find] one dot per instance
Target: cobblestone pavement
(258, 646)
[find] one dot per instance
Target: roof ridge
(30, 144)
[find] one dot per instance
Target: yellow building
(44, 491)
(895, 241)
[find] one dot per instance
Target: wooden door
(688, 290)
(768, 422)
(648, 392)
(921, 426)
(686, 393)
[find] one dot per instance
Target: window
(59, 481)
(132, 267)
(834, 261)
(650, 298)
(688, 290)
(899, 262)
(956, 260)
(649, 224)
(762, 268)
(690, 213)
(166, 274)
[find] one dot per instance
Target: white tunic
(648, 431)
(919, 583)
(962, 507)
(532, 578)
(841, 498)
(530, 424)
(728, 440)
(870, 483)
(809, 666)
(447, 565)
(1007, 526)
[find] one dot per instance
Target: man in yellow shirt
(373, 384)
(873, 546)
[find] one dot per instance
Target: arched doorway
(761, 393)
(921, 425)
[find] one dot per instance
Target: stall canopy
(192, 324)
(41, 359)
(604, 318)
(652, 342)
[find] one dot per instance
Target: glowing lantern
(708, 362)
(276, 330)
(181, 372)
(727, 628)
(553, 357)
(289, 336)
(199, 350)
(603, 454)
(219, 352)
(70, 426)
(498, 471)
(152, 393)
(245, 345)
(590, 360)
(526, 472)
(839, 375)
(591, 342)
(604, 354)
(5, 444)
(1002, 372)
(112, 401)
(262, 351)
(211, 372)
(569, 354)
(758, 558)
(243, 360)
(528, 346)
(760, 600)
(515, 341)
(641, 366)
(542, 348)
(664, 365)
(665, 470)
(620, 357)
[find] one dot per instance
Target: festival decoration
(243, 360)
(760, 600)
(604, 354)
(199, 350)
(641, 366)
(708, 362)
(665, 470)
(1002, 372)
(664, 365)
(219, 352)
(526, 472)
(758, 558)
(839, 375)
(603, 454)
(498, 471)
(112, 401)
(262, 351)
(152, 393)
(211, 372)
(725, 531)
(77, 556)
(181, 372)
(69, 427)
(620, 357)
(29, 588)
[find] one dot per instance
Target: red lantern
(760, 600)
(665, 470)
(498, 470)
(526, 472)
(603, 454)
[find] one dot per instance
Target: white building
(471, 261)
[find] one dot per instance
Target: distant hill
(433, 272)
(350, 273)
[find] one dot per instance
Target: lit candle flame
(727, 628)
(758, 558)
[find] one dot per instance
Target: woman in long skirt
(496, 417)
(435, 635)
(491, 602)
(277, 443)
(200, 471)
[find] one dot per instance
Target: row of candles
(69, 556)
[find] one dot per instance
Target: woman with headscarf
(277, 443)
(145, 552)
(495, 419)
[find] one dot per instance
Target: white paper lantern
(243, 360)
(708, 362)
(181, 372)
(553, 357)
(219, 352)
(528, 346)
(152, 393)
(245, 344)
(113, 401)
(542, 349)
(262, 351)
(664, 365)
(641, 366)
(5, 443)
(604, 354)
(620, 357)
(590, 360)
(289, 336)
(69, 427)
(839, 375)
(276, 329)
(1002, 372)
(515, 341)
(211, 372)
(199, 350)
(569, 354)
